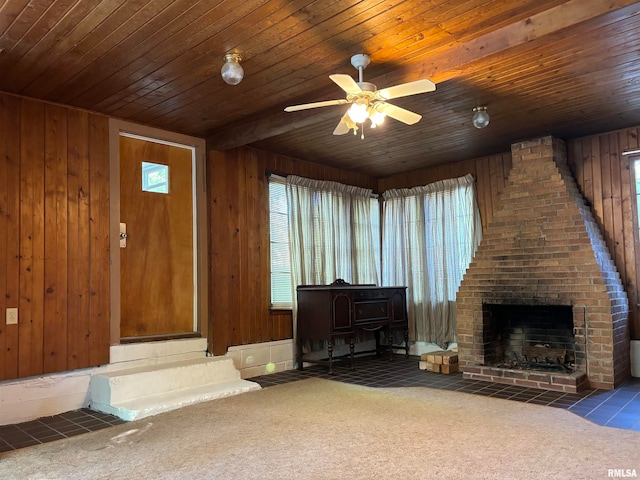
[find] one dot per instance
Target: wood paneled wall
(54, 238)
(607, 181)
(239, 243)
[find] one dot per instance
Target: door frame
(198, 146)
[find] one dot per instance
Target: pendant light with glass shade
(480, 117)
(232, 72)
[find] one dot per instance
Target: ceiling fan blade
(346, 83)
(398, 113)
(306, 106)
(341, 128)
(345, 125)
(405, 89)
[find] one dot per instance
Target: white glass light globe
(232, 72)
(358, 112)
(377, 118)
(480, 117)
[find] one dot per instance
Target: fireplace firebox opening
(530, 337)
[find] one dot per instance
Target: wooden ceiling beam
(438, 68)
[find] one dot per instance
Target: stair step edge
(206, 362)
(143, 407)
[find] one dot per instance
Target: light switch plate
(12, 316)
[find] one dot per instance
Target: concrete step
(136, 393)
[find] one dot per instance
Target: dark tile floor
(619, 408)
(52, 428)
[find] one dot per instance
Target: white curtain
(430, 235)
(330, 234)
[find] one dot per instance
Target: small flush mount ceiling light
(480, 117)
(232, 72)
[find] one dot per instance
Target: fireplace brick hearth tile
(570, 383)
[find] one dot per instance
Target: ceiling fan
(367, 102)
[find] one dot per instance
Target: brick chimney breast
(544, 247)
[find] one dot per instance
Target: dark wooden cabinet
(328, 312)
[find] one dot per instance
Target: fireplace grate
(542, 358)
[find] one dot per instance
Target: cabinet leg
(377, 334)
(390, 340)
(406, 344)
(330, 352)
(352, 348)
(299, 354)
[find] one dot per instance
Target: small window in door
(155, 177)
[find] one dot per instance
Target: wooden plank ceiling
(568, 68)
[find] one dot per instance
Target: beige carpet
(319, 429)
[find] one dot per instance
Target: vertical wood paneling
(254, 250)
(605, 189)
(596, 180)
(99, 217)
(603, 175)
(281, 324)
(237, 321)
(55, 273)
(244, 255)
(629, 140)
(272, 327)
(587, 185)
(78, 239)
(460, 169)
(9, 231)
(219, 247)
(618, 224)
(31, 238)
(484, 191)
(629, 264)
(5, 122)
(54, 224)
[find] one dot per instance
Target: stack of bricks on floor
(441, 361)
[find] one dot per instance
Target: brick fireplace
(542, 304)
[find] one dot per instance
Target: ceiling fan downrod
(360, 62)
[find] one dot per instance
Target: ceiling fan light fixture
(232, 72)
(480, 117)
(376, 117)
(358, 112)
(367, 102)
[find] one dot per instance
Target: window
(281, 289)
(281, 279)
(155, 177)
(430, 236)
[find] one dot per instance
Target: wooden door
(157, 264)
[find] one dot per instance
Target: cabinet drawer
(371, 310)
(368, 295)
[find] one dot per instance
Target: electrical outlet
(12, 316)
